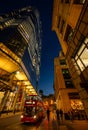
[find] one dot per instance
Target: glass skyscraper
(20, 31)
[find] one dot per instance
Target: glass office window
(82, 55)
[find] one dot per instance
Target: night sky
(50, 43)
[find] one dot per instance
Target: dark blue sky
(50, 43)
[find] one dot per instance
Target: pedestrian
(57, 112)
(54, 114)
(48, 114)
(70, 113)
(61, 115)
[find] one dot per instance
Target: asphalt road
(14, 123)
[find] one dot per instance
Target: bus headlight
(35, 116)
(22, 116)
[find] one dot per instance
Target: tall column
(4, 100)
(15, 100)
(22, 100)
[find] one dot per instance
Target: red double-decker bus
(33, 109)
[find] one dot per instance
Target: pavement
(76, 124)
(54, 124)
(6, 115)
(68, 124)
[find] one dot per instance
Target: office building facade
(70, 22)
(67, 96)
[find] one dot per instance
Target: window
(69, 84)
(62, 26)
(67, 1)
(82, 55)
(62, 62)
(68, 33)
(79, 1)
(65, 71)
(66, 74)
(74, 95)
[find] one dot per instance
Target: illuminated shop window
(76, 104)
(82, 55)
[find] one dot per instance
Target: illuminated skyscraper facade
(20, 50)
(21, 32)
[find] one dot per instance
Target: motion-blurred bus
(33, 109)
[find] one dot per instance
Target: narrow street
(14, 123)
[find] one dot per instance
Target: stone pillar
(15, 100)
(4, 100)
